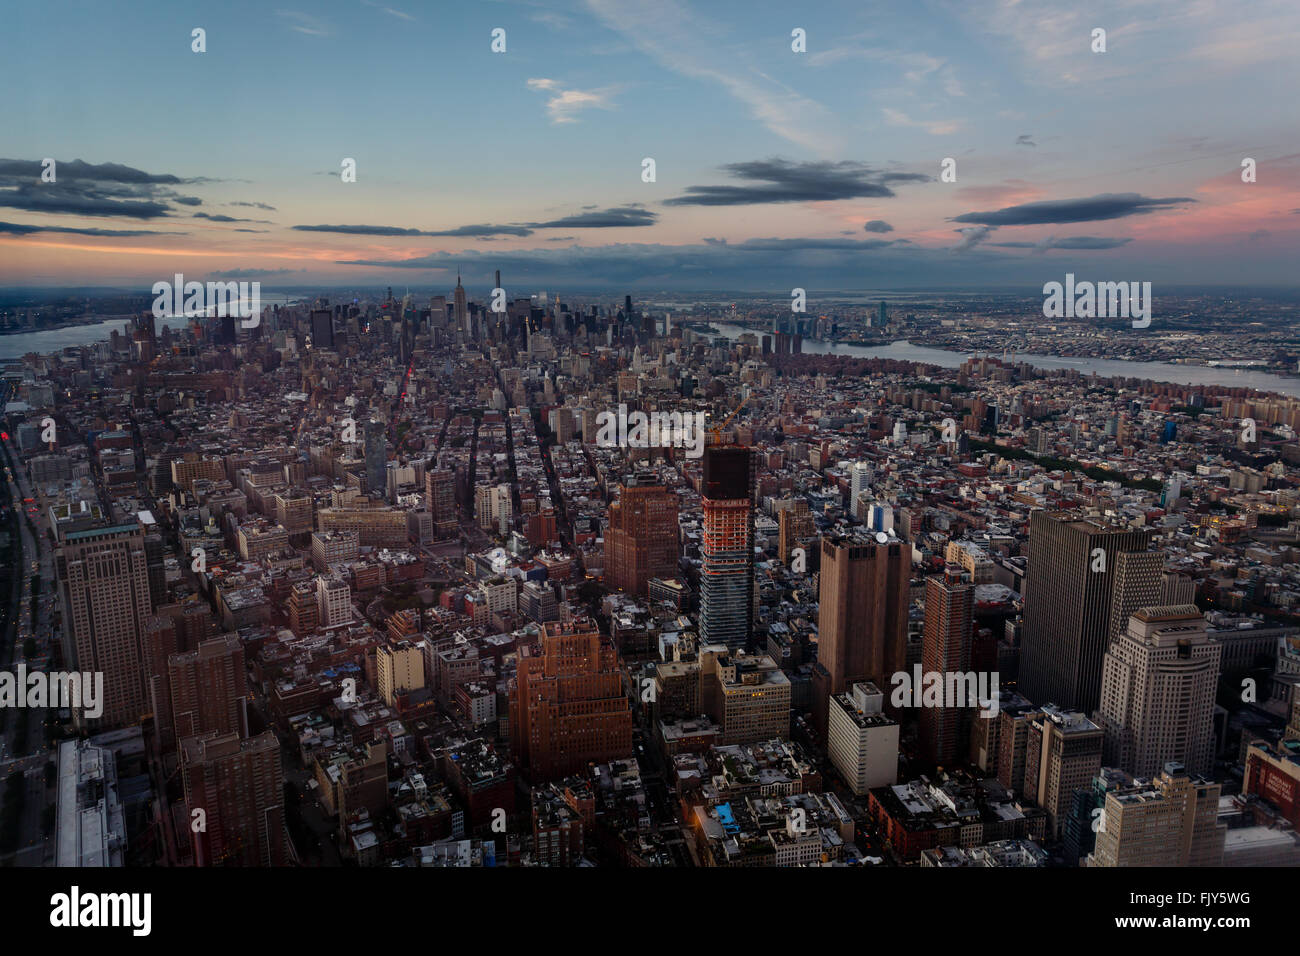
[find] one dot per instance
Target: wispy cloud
(564, 105)
(614, 217)
(19, 229)
(673, 35)
(304, 23)
(389, 10)
(934, 127)
(1074, 243)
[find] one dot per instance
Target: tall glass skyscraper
(727, 548)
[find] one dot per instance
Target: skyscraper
(946, 649)
(238, 785)
(1138, 584)
(209, 688)
(727, 547)
(862, 621)
(1172, 821)
(103, 578)
(1157, 693)
(795, 524)
(376, 459)
(461, 311)
(1070, 584)
(567, 706)
(322, 329)
(641, 540)
(861, 476)
(1062, 755)
(440, 497)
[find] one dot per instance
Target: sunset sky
(774, 169)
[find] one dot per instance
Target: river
(18, 344)
(1103, 368)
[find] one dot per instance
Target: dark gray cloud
(18, 229)
(1090, 209)
(781, 181)
(817, 262)
(1068, 242)
(91, 189)
(221, 217)
(253, 205)
(483, 230)
(87, 172)
(618, 216)
(972, 236)
(878, 225)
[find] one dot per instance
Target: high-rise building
(322, 329)
(235, 786)
(1273, 775)
(1157, 693)
(304, 611)
(747, 694)
(399, 667)
(461, 310)
(209, 689)
(1070, 583)
(1176, 588)
(860, 478)
(946, 649)
(103, 579)
(333, 602)
(440, 498)
(1172, 821)
(567, 705)
(1013, 742)
(796, 528)
(861, 741)
(727, 547)
(1137, 584)
(376, 458)
(641, 540)
(1062, 755)
(862, 618)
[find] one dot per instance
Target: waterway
(1102, 368)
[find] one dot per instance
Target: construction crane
(716, 433)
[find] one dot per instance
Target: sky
(773, 168)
